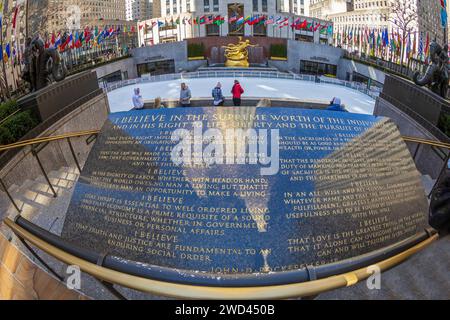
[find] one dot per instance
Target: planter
(278, 58)
(196, 58)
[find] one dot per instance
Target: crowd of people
(219, 99)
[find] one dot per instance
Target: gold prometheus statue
(237, 54)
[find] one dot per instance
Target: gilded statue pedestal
(237, 54)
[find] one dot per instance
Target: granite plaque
(245, 190)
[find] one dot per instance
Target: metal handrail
(90, 132)
(176, 290)
(427, 142)
(47, 139)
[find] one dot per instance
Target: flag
(14, 20)
(408, 46)
(420, 53)
(427, 45)
(284, 23)
(219, 20)
(8, 50)
(295, 23)
(233, 18)
(303, 25)
(268, 21)
(67, 43)
(57, 41)
(317, 27)
(443, 13)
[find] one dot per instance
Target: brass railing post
(74, 155)
(9, 196)
(417, 150)
(34, 253)
(44, 173)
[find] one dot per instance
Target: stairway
(37, 202)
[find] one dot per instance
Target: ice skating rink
(354, 101)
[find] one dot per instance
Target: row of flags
(90, 36)
(381, 42)
(259, 19)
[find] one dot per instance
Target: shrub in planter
(278, 50)
(8, 108)
(17, 126)
(196, 50)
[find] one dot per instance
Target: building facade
(177, 16)
(74, 14)
(138, 10)
(322, 8)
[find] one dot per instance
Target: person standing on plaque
(138, 102)
(217, 95)
(237, 92)
(185, 96)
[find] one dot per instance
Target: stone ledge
(22, 279)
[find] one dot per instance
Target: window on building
(260, 30)
(264, 5)
(255, 5)
(317, 68)
(212, 30)
(304, 37)
(206, 5)
(156, 67)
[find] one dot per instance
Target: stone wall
(22, 279)
(299, 50)
(348, 67)
(89, 116)
(165, 51)
(124, 65)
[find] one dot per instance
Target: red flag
(16, 11)
(303, 25)
(317, 26)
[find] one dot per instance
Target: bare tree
(403, 14)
